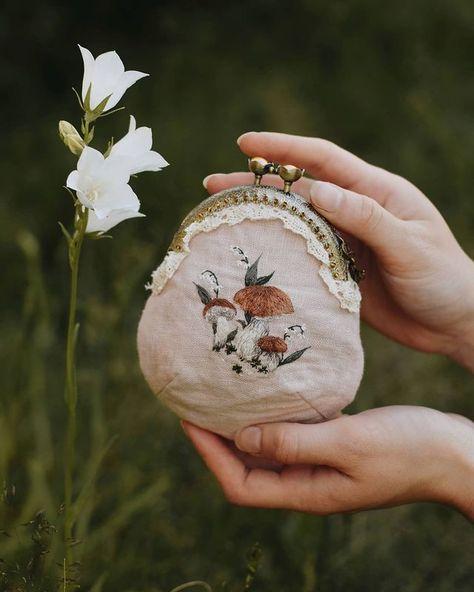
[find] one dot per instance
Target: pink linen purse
(254, 312)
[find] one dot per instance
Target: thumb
(358, 215)
(293, 443)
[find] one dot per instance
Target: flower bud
(71, 137)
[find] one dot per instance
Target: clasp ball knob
(258, 165)
(289, 173)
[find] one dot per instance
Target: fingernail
(325, 195)
(250, 440)
(205, 181)
(239, 139)
(184, 426)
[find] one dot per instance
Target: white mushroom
(220, 313)
(272, 350)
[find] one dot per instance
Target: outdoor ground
(392, 83)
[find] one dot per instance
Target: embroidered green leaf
(230, 348)
(203, 294)
(294, 356)
(252, 274)
(248, 317)
(264, 279)
(231, 335)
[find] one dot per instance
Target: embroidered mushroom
(220, 313)
(272, 350)
(260, 304)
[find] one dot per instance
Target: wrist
(462, 348)
(457, 488)
(461, 339)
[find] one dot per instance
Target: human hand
(379, 458)
(419, 286)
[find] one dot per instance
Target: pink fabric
(198, 384)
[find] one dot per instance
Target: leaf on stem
(74, 199)
(65, 232)
(113, 111)
(78, 98)
(97, 236)
(110, 144)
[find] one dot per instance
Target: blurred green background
(392, 82)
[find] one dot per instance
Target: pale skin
(419, 291)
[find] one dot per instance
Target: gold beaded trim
(338, 254)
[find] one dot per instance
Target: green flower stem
(74, 252)
(87, 128)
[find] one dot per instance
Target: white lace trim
(346, 291)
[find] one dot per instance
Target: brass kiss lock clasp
(289, 173)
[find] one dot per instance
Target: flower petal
(89, 161)
(95, 224)
(89, 62)
(84, 198)
(151, 161)
(115, 170)
(108, 71)
(126, 81)
(134, 143)
(132, 125)
(119, 197)
(73, 180)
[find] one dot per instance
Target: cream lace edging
(346, 291)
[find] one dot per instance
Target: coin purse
(254, 312)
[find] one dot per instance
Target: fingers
(322, 159)
(360, 216)
(461, 419)
(228, 469)
(319, 490)
(256, 487)
(219, 181)
(354, 213)
(293, 443)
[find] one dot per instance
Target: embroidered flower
(244, 260)
(294, 331)
(211, 278)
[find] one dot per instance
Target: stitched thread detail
(246, 343)
(346, 291)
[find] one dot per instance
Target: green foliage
(390, 83)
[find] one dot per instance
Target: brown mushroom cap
(272, 344)
(264, 301)
(218, 302)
